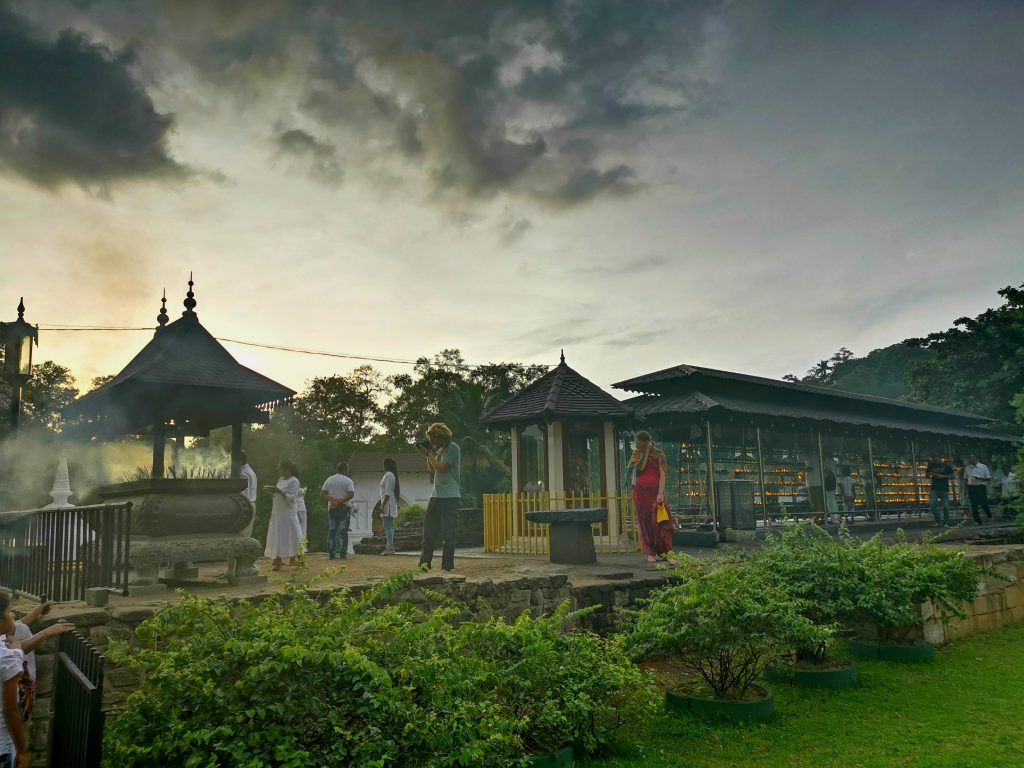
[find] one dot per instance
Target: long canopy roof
(185, 375)
(692, 390)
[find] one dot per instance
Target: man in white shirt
(338, 491)
(977, 476)
(246, 473)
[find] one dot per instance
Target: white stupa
(61, 491)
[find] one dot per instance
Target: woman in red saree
(648, 494)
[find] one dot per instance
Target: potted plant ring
(709, 636)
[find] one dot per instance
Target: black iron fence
(78, 704)
(60, 553)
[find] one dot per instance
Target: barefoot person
(284, 534)
(648, 495)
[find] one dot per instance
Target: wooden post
(871, 476)
(760, 475)
(712, 501)
(236, 448)
(159, 436)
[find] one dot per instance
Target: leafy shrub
(899, 577)
(411, 512)
(290, 682)
(824, 575)
(724, 626)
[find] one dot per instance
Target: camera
(424, 443)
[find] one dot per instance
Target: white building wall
(416, 489)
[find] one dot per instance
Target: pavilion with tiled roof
(182, 383)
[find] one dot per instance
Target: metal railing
(60, 553)
(78, 704)
(506, 529)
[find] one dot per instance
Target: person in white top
(337, 491)
(13, 739)
(245, 473)
(284, 534)
(390, 490)
(977, 476)
(28, 641)
(300, 510)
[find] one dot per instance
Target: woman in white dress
(284, 534)
(390, 489)
(300, 510)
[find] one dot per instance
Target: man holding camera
(444, 459)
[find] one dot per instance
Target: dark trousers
(337, 529)
(977, 495)
(439, 521)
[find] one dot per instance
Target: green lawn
(965, 709)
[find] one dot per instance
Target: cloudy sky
(747, 185)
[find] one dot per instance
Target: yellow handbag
(663, 516)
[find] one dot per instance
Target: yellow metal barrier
(507, 531)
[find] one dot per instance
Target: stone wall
(469, 532)
(1000, 602)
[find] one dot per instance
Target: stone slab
(147, 590)
(97, 596)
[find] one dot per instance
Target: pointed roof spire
(21, 309)
(562, 358)
(162, 318)
(190, 298)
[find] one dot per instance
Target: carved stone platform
(572, 538)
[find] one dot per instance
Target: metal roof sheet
(700, 403)
(685, 372)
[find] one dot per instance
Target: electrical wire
(277, 347)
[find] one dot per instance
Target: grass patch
(963, 710)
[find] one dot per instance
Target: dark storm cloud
(537, 98)
(320, 158)
(71, 111)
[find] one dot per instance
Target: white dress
(284, 534)
(300, 510)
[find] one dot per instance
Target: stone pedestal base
(571, 537)
(179, 571)
(182, 551)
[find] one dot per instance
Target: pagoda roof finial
(162, 318)
(21, 308)
(190, 298)
(562, 358)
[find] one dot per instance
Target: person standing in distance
(246, 473)
(977, 476)
(337, 491)
(941, 472)
(444, 459)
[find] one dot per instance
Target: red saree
(655, 538)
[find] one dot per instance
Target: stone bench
(571, 537)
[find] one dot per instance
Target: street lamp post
(17, 339)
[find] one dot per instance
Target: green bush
(823, 574)
(724, 626)
(899, 577)
(289, 682)
(411, 512)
